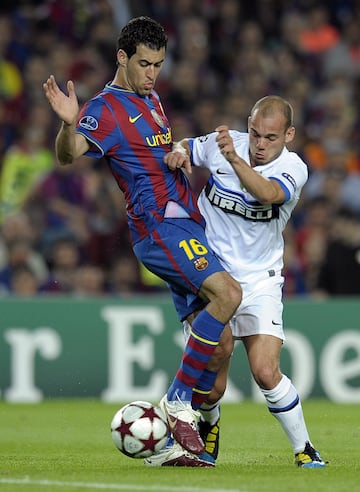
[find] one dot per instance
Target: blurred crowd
(63, 229)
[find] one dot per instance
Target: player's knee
(224, 294)
(267, 377)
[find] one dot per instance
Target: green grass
(65, 445)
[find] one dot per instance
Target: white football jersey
(246, 235)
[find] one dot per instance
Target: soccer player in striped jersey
(125, 123)
(254, 184)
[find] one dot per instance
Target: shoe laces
(187, 408)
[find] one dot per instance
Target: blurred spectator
(64, 203)
(89, 281)
(121, 12)
(344, 57)
(293, 271)
(13, 228)
(64, 258)
(339, 272)
(108, 232)
(19, 247)
(24, 282)
(185, 87)
(21, 255)
(221, 54)
(224, 30)
(11, 82)
(24, 165)
(310, 240)
(124, 277)
(335, 182)
(318, 34)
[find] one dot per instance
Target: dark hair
(141, 30)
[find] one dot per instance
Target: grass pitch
(66, 446)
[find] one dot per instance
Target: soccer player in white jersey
(254, 185)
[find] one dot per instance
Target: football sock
(203, 388)
(210, 413)
(170, 441)
(203, 340)
(284, 404)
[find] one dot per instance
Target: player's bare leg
(281, 396)
(224, 295)
(173, 454)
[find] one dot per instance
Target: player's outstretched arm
(68, 145)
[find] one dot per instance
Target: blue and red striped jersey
(132, 132)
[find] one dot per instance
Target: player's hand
(66, 107)
(225, 143)
(177, 159)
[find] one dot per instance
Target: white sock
(210, 413)
(284, 403)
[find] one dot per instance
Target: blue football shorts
(178, 252)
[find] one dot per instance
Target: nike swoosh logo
(135, 118)
(219, 171)
(277, 324)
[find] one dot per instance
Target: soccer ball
(139, 429)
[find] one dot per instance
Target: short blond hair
(268, 105)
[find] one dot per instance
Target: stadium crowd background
(63, 229)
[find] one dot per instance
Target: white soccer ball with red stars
(139, 429)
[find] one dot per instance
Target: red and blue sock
(203, 339)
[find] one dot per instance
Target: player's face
(142, 69)
(268, 136)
